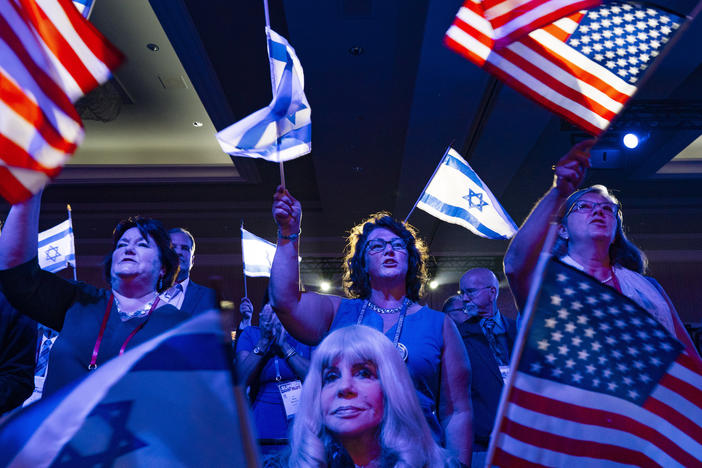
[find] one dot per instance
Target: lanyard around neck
(98, 342)
(400, 321)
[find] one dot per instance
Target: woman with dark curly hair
(95, 324)
(384, 277)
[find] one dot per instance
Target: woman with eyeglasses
(384, 276)
(591, 238)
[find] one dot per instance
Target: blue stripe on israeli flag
(456, 195)
(459, 213)
(56, 237)
(282, 130)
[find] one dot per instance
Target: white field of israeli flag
(56, 247)
(282, 130)
(257, 254)
(170, 401)
(458, 196)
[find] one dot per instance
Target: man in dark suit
(185, 294)
(489, 338)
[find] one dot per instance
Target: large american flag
(600, 382)
(511, 19)
(51, 56)
(584, 66)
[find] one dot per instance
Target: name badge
(290, 393)
(504, 371)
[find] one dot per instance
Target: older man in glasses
(489, 338)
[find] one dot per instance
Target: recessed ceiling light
(356, 50)
(197, 124)
(153, 47)
(630, 140)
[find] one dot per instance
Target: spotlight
(630, 140)
(325, 286)
(433, 284)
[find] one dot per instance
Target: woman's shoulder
(427, 313)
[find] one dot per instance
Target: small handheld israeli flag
(282, 130)
(456, 194)
(56, 247)
(257, 254)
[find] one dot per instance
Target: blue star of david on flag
(52, 253)
(55, 247)
(120, 441)
(456, 194)
(475, 200)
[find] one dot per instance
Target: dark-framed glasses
(587, 206)
(471, 291)
(378, 245)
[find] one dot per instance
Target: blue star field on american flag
(624, 38)
(585, 334)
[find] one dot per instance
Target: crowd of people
(371, 379)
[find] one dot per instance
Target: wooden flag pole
(428, 182)
(75, 263)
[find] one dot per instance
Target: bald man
(489, 338)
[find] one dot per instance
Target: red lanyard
(96, 348)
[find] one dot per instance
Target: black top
(76, 310)
(18, 340)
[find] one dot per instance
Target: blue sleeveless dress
(422, 334)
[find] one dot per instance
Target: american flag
(583, 67)
(600, 382)
(511, 19)
(51, 56)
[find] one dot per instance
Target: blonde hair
(404, 435)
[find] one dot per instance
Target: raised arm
(455, 410)
(306, 316)
(18, 241)
(524, 249)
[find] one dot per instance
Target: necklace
(401, 348)
(392, 310)
(142, 312)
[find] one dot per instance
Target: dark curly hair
(622, 251)
(356, 279)
(148, 227)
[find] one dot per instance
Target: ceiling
(387, 97)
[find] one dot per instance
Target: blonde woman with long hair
(359, 408)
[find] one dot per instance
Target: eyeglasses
(586, 206)
(471, 291)
(378, 245)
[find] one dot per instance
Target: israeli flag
(257, 254)
(56, 247)
(170, 401)
(282, 130)
(456, 194)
